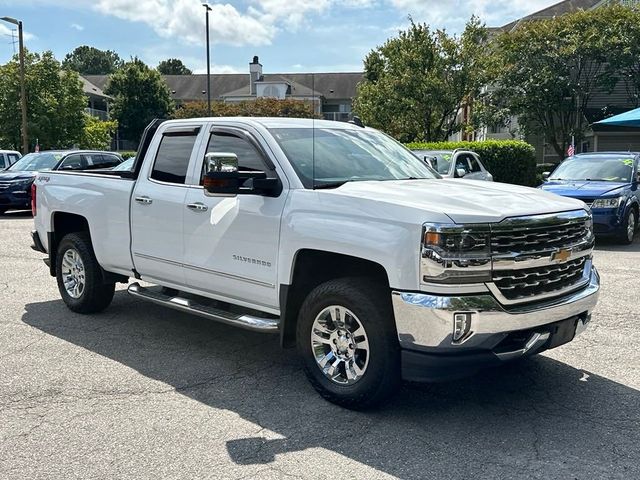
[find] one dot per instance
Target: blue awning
(626, 119)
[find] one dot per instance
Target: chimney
(255, 74)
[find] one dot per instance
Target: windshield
(601, 168)
(439, 161)
(126, 165)
(36, 162)
(343, 155)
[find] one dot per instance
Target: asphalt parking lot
(143, 392)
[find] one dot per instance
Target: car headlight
(456, 253)
(613, 202)
(22, 181)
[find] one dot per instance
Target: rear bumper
(497, 334)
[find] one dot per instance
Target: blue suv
(608, 183)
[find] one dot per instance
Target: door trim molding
(206, 270)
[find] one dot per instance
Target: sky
(287, 35)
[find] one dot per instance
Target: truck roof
(276, 122)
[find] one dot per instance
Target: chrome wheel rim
(631, 226)
(73, 273)
(340, 345)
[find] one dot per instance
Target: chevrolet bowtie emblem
(561, 256)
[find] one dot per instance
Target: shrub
(127, 154)
(509, 161)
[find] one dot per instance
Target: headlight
(456, 253)
(614, 202)
(22, 181)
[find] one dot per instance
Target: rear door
(158, 205)
(231, 243)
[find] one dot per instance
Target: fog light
(461, 325)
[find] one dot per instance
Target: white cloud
(77, 27)
(454, 14)
(185, 20)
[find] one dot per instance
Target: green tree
(173, 66)
(91, 61)
(260, 107)
(97, 134)
(139, 95)
(547, 72)
(55, 102)
(416, 83)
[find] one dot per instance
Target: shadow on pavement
(537, 418)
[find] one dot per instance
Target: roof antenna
(357, 121)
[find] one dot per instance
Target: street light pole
(23, 96)
(208, 9)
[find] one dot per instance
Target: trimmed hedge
(509, 161)
(127, 154)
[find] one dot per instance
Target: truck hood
(582, 188)
(463, 201)
(8, 176)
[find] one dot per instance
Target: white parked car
(455, 164)
(8, 158)
(333, 236)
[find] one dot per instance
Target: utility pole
(23, 95)
(208, 9)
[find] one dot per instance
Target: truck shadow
(518, 420)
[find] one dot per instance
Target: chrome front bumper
(425, 322)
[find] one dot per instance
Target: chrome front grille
(4, 185)
(540, 256)
(517, 285)
(536, 238)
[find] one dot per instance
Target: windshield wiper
(325, 185)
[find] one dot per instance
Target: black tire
(371, 304)
(630, 216)
(96, 295)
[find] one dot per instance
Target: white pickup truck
(332, 235)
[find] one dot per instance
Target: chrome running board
(248, 322)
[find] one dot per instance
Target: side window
(13, 158)
(72, 162)
(461, 163)
(172, 159)
(4, 161)
(101, 160)
(473, 162)
(249, 158)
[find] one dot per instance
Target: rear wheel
(79, 275)
(629, 227)
(348, 343)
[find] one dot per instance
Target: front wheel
(79, 276)
(348, 343)
(629, 227)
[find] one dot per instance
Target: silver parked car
(455, 163)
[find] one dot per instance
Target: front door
(231, 243)
(158, 208)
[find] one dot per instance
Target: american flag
(571, 150)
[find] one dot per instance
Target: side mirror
(221, 177)
(460, 172)
(545, 175)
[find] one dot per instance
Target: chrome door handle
(197, 207)
(144, 200)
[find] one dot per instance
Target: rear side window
(101, 160)
(172, 160)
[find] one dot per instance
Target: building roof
(560, 8)
(339, 85)
(91, 89)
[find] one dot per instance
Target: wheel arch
(310, 269)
